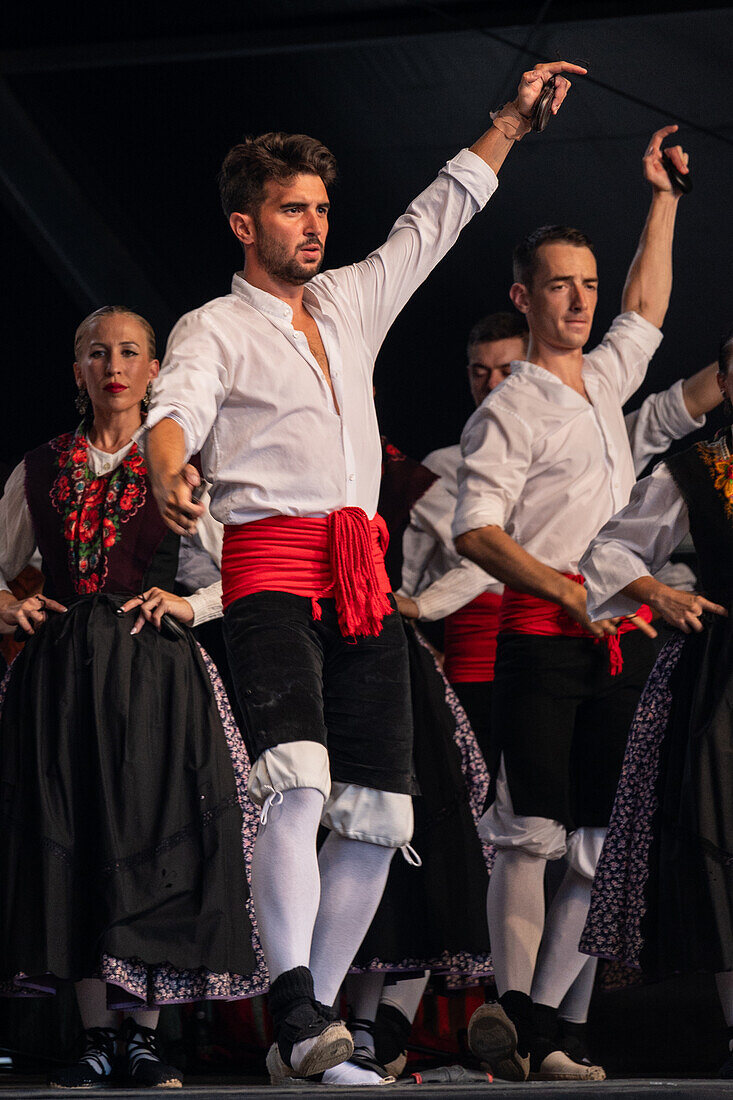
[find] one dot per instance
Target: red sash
(470, 640)
(524, 614)
(340, 555)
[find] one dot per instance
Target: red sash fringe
(340, 555)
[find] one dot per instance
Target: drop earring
(82, 402)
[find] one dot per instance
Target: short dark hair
(248, 166)
(525, 253)
(725, 352)
(497, 326)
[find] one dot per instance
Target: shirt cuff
(473, 518)
(206, 604)
(474, 174)
(646, 335)
(163, 412)
(607, 569)
(680, 421)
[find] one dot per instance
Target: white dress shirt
(248, 393)
(548, 466)
(662, 418)
(434, 574)
(18, 539)
(440, 581)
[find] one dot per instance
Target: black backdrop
(137, 115)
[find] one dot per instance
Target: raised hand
(654, 170)
(533, 81)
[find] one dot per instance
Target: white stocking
(353, 877)
(559, 961)
(576, 1002)
(286, 884)
(405, 994)
(515, 908)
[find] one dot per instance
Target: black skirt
(434, 916)
(120, 823)
(689, 893)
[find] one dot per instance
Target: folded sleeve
(378, 287)
(17, 537)
(622, 357)
(497, 453)
(636, 542)
(193, 381)
(662, 418)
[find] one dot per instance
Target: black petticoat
(120, 827)
(434, 916)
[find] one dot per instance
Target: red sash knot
(340, 555)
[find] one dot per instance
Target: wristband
(510, 122)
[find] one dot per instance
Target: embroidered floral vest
(101, 534)
(704, 476)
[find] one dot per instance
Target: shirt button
(351, 477)
(335, 373)
(106, 466)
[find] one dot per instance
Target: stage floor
(210, 1088)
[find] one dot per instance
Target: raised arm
(649, 281)
(378, 287)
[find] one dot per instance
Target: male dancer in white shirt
(273, 384)
(546, 462)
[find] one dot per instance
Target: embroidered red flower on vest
(94, 509)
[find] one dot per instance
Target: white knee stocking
(286, 884)
(576, 1002)
(559, 961)
(353, 877)
(515, 907)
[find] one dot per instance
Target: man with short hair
(546, 462)
(273, 383)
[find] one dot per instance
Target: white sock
(559, 961)
(285, 879)
(362, 994)
(353, 877)
(515, 908)
(405, 994)
(348, 1074)
(576, 1002)
(724, 982)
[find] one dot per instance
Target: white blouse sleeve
(17, 537)
(199, 566)
(662, 418)
(636, 542)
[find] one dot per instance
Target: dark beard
(279, 265)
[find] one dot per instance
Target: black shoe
(144, 1064)
(296, 1016)
(95, 1067)
(391, 1031)
(574, 1041)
